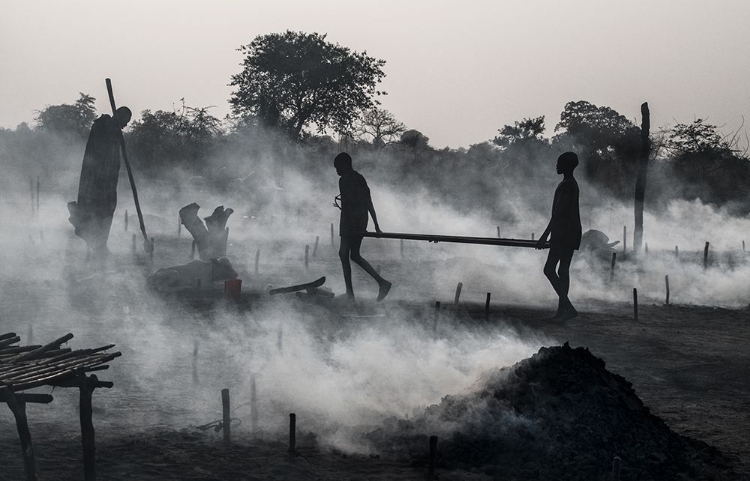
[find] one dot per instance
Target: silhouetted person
(356, 203)
(92, 214)
(564, 230)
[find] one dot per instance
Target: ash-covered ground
(369, 383)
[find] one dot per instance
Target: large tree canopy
(296, 79)
(69, 119)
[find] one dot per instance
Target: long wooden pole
(147, 244)
(455, 239)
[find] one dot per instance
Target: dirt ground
(689, 364)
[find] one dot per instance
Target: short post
(666, 281)
(292, 433)
(612, 267)
(253, 405)
(332, 243)
(437, 316)
(498, 232)
(705, 256)
(192, 251)
(743, 246)
(458, 293)
(676, 252)
(635, 304)
(532, 236)
(179, 227)
(132, 248)
(402, 248)
(226, 420)
(616, 467)
(257, 261)
(126, 220)
(307, 256)
(195, 361)
(433, 455)
(624, 239)
(315, 248)
(487, 308)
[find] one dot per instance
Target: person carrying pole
(91, 214)
(356, 204)
(564, 230)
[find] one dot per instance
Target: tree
(520, 132)
(379, 125)
(296, 79)
(69, 119)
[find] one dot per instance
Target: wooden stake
(226, 419)
(315, 248)
(433, 455)
(253, 405)
(195, 360)
(437, 316)
(487, 308)
(676, 251)
(257, 261)
(498, 232)
(532, 236)
(458, 293)
(126, 220)
(705, 256)
(624, 239)
(666, 281)
(743, 246)
(292, 433)
(402, 248)
(635, 304)
(307, 256)
(612, 267)
(18, 407)
(87, 428)
(133, 246)
(616, 467)
(332, 243)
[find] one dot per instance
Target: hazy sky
(456, 71)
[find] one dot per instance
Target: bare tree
(380, 126)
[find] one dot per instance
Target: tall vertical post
(641, 176)
(126, 220)
(612, 267)
(332, 243)
(666, 282)
(624, 239)
(487, 308)
(226, 420)
(635, 304)
(253, 405)
(315, 248)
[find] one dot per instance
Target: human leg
(344, 251)
(384, 285)
(563, 273)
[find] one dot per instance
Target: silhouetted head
(343, 163)
(123, 116)
(567, 162)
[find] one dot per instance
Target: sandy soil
(689, 364)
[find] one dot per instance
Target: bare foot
(385, 288)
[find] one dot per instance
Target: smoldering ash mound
(559, 415)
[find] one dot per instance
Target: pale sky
(456, 71)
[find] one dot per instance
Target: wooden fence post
(292, 433)
(612, 267)
(487, 308)
(666, 281)
(635, 304)
(226, 420)
(458, 293)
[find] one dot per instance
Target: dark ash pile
(559, 415)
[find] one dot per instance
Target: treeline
(296, 90)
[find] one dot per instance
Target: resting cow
(193, 275)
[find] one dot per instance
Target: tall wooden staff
(148, 246)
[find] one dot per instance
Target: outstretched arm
(543, 239)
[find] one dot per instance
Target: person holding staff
(356, 204)
(92, 214)
(564, 231)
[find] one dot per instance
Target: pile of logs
(28, 367)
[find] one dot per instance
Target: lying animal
(195, 275)
(597, 243)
